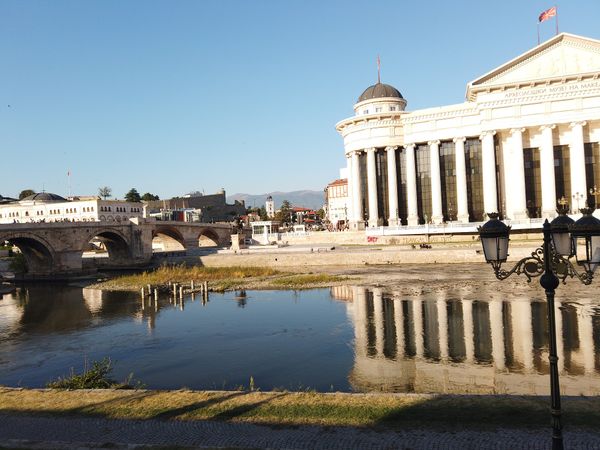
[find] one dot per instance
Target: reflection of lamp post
(596, 193)
(578, 197)
(564, 203)
(563, 239)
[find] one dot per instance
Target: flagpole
(538, 29)
(556, 19)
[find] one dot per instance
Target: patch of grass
(383, 411)
(184, 274)
(306, 280)
(95, 377)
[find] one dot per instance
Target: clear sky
(174, 96)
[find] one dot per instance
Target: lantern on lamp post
(563, 239)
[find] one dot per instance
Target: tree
(262, 212)
(104, 192)
(148, 197)
(26, 193)
(133, 196)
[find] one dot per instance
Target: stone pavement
(85, 433)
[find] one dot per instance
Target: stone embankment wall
(360, 238)
(326, 256)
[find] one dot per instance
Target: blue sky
(174, 96)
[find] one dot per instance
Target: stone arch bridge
(57, 248)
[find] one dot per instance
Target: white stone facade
(526, 139)
(86, 210)
(337, 203)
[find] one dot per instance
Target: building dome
(379, 90)
(44, 197)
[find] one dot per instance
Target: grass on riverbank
(220, 278)
(285, 408)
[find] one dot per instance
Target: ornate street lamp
(563, 239)
(596, 193)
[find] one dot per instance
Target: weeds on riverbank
(306, 281)
(220, 278)
(95, 377)
(184, 274)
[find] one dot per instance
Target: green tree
(26, 193)
(148, 197)
(133, 195)
(104, 192)
(262, 212)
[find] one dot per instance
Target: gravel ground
(62, 433)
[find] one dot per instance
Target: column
(399, 323)
(514, 174)
(442, 317)
(349, 214)
(467, 310)
(357, 200)
(392, 186)
(378, 319)
(577, 161)
(411, 185)
(462, 207)
(488, 170)
(361, 341)
(547, 172)
(436, 183)
(585, 329)
(523, 332)
(372, 188)
(497, 332)
(418, 326)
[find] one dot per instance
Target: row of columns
(514, 174)
(521, 324)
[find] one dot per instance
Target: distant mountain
(308, 199)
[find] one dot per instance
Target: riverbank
(373, 410)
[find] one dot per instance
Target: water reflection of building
(441, 344)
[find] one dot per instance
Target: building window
(448, 180)
(382, 186)
(366, 111)
(533, 182)
(562, 172)
(592, 170)
(378, 109)
(474, 179)
(423, 182)
(401, 177)
(362, 163)
(392, 108)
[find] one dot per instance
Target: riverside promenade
(34, 432)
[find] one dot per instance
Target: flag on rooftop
(547, 14)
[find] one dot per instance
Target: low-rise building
(337, 203)
(48, 207)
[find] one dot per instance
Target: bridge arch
(167, 238)
(39, 255)
(111, 240)
(208, 237)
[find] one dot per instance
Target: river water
(338, 339)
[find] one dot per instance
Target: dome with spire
(379, 90)
(43, 197)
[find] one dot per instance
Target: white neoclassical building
(48, 207)
(525, 139)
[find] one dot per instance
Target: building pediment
(563, 57)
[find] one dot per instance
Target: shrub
(95, 377)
